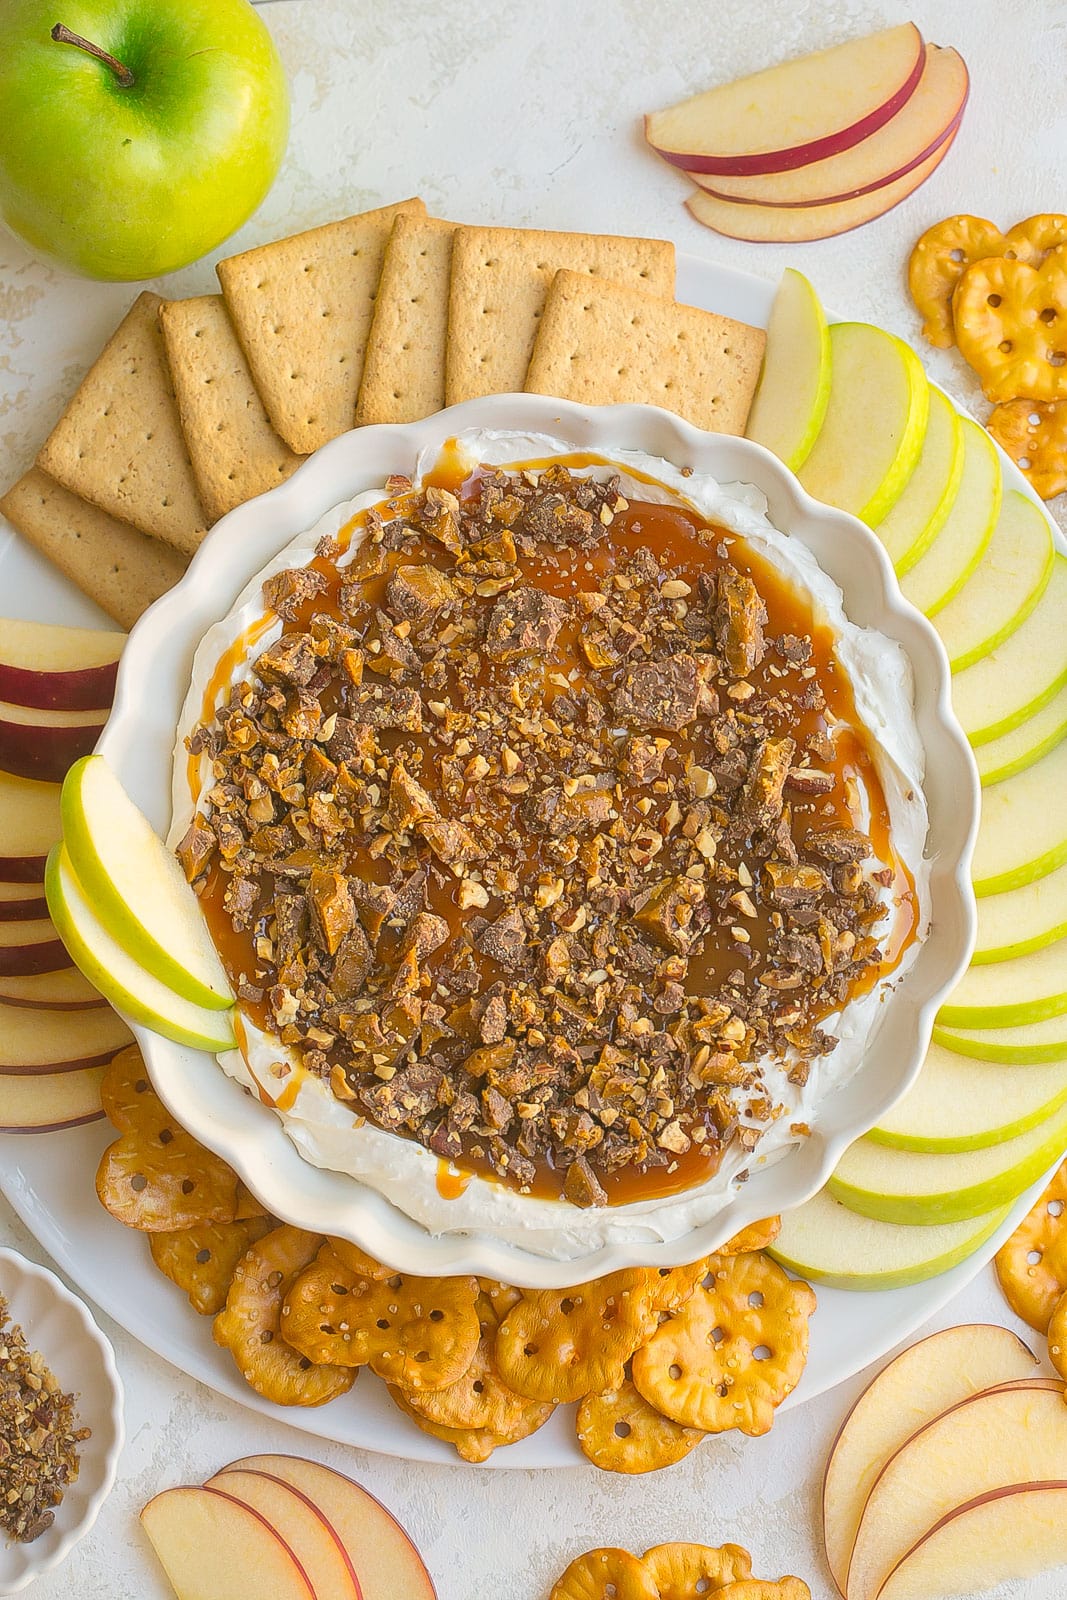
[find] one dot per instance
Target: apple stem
(123, 74)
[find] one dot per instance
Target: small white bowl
(61, 1328)
(138, 744)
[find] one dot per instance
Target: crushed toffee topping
(546, 817)
(39, 1437)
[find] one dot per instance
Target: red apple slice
(44, 744)
(47, 1102)
(214, 1548)
(29, 827)
(22, 902)
(921, 1383)
(1015, 1434)
(57, 1041)
(798, 112)
(55, 668)
(921, 125)
(28, 947)
(63, 990)
(801, 224)
(301, 1525)
(386, 1562)
(1014, 1531)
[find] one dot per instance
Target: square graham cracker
(601, 343)
(404, 367)
(500, 278)
(119, 444)
(302, 309)
(115, 565)
(235, 452)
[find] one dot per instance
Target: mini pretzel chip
(765, 1589)
(1011, 325)
(757, 1236)
(1032, 239)
(683, 1571)
(935, 266)
(249, 1326)
(620, 1432)
(733, 1352)
(1032, 1264)
(475, 1444)
(562, 1344)
(480, 1399)
(202, 1260)
(155, 1176)
(358, 1261)
(1057, 1337)
(419, 1333)
(676, 1284)
(606, 1574)
(501, 1296)
(1034, 434)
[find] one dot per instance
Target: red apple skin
(23, 910)
(27, 960)
(54, 1068)
(45, 753)
(22, 869)
(740, 166)
(56, 1127)
(808, 226)
(36, 992)
(90, 689)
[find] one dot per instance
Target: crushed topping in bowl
(39, 1437)
(545, 819)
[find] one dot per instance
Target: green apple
(137, 889)
(1004, 588)
(910, 527)
(1022, 921)
(1027, 1045)
(794, 386)
(910, 1187)
(872, 435)
(1022, 675)
(1022, 834)
(1009, 994)
(956, 1104)
(1018, 749)
(142, 142)
(118, 976)
(953, 556)
(827, 1243)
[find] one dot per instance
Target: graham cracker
(604, 344)
(235, 452)
(119, 444)
(302, 309)
(500, 278)
(115, 565)
(404, 367)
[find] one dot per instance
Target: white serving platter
(48, 1179)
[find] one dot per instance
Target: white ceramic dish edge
(155, 670)
(58, 1324)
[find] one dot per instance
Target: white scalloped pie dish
(57, 1324)
(139, 739)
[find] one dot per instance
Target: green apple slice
(1022, 834)
(130, 988)
(1014, 681)
(910, 1187)
(1005, 588)
(957, 1104)
(952, 557)
(827, 1243)
(911, 526)
(872, 435)
(1032, 740)
(1028, 1045)
(1009, 994)
(794, 387)
(1022, 920)
(136, 886)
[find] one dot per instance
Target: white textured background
(527, 113)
